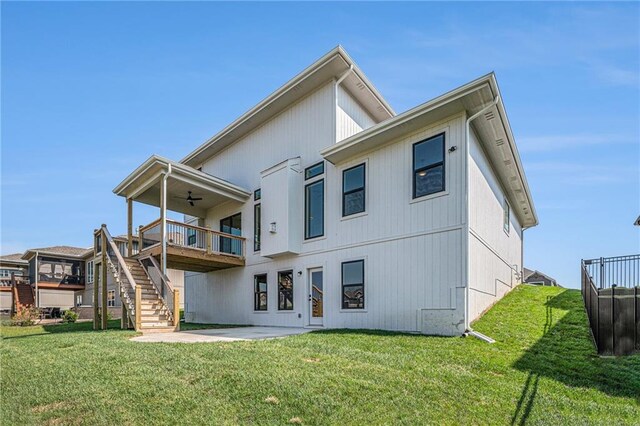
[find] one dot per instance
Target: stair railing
(169, 296)
(119, 271)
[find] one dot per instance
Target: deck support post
(176, 309)
(138, 307)
(96, 278)
(129, 227)
(103, 280)
(124, 320)
(163, 223)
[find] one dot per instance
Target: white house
(322, 207)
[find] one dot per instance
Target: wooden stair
(23, 296)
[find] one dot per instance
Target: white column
(163, 220)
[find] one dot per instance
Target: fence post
(613, 319)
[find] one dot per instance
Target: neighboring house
(637, 222)
(10, 264)
(56, 273)
(321, 207)
(538, 278)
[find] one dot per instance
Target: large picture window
(353, 284)
(231, 225)
(260, 292)
(314, 209)
(428, 166)
(285, 291)
(353, 190)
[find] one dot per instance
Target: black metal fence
(611, 293)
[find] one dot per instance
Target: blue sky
(90, 90)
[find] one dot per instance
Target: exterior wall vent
(489, 115)
(499, 142)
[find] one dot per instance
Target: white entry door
(316, 296)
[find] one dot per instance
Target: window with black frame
(256, 226)
(314, 201)
(428, 166)
(353, 284)
(231, 225)
(353, 190)
(285, 291)
(260, 292)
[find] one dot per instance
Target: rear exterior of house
(346, 215)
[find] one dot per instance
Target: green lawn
(542, 370)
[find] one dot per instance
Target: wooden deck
(195, 260)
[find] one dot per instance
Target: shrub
(69, 316)
(25, 316)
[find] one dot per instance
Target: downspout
(335, 97)
(163, 213)
(467, 323)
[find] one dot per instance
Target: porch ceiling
(144, 186)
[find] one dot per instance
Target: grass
(542, 370)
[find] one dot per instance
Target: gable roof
(637, 222)
(330, 66)
(493, 128)
(64, 251)
(15, 258)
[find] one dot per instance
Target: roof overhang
(331, 66)
(144, 185)
(492, 127)
(29, 254)
(13, 263)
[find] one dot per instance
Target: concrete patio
(221, 335)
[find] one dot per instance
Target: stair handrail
(122, 266)
(165, 281)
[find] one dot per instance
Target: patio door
(316, 296)
(231, 225)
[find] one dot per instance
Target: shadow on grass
(77, 327)
(566, 353)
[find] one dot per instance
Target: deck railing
(611, 294)
(194, 237)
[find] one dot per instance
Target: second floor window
(353, 190)
(90, 271)
(314, 202)
(506, 216)
(256, 227)
(428, 166)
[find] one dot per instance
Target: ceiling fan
(190, 199)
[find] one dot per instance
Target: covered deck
(174, 186)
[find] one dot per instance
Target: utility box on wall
(281, 209)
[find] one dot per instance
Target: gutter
(467, 325)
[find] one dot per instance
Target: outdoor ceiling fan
(190, 199)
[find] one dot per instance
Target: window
(79, 300)
(191, 237)
(257, 194)
(313, 171)
(353, 284)
(428, 166)
(260, 292)
(506, 216)
(256, 227)
(90, 271)
(111, 298)
(353, 195)
(231, 225)
(314, 210)
(285, 291)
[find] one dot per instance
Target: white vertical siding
(351, 117)
(413, 249)
(494, 254)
